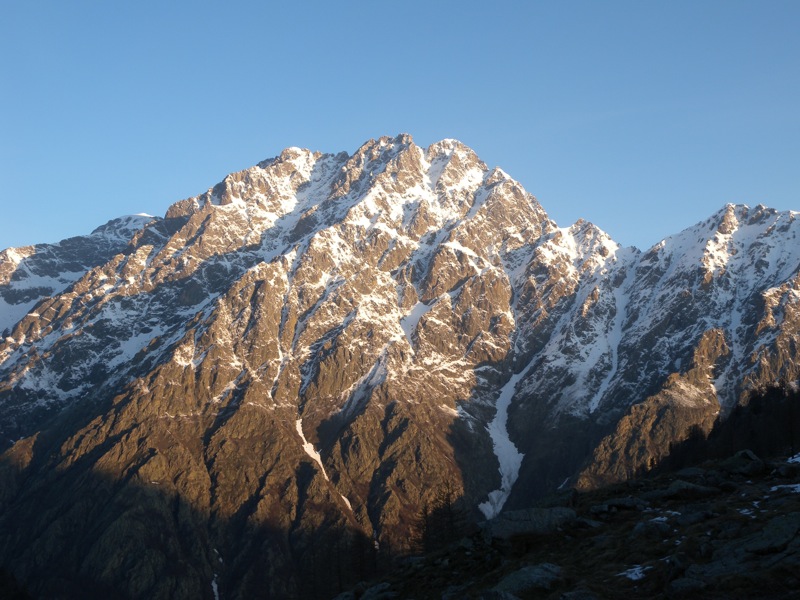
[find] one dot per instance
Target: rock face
(310, 351)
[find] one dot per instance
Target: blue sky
(641, 117)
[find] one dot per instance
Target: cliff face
(317, 346)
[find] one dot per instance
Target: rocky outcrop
(701, 532)
(645, 436)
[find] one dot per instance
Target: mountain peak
(320, 346)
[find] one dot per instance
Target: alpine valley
(258, 395)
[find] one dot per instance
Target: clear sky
(642, 117)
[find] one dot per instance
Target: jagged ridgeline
(258, 394)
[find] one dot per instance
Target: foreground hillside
(724, 529)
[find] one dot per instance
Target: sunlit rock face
(304, 356)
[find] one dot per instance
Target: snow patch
(450, 411)
(794, 488)
(411, 320)
(215, 587)
(312, 452)
(635, 573)
(12, 313)
(309, 448)
(508, 456)
(614, 338)
(133, 345)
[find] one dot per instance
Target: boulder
(542, 576)
(686, 489)
(495, 595)
(380, 591)
(690, 472)
(686, 585)
(527, 522)
(627, 503)
(776, 535)
(651, 529)
(744, 462)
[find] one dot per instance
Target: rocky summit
(259, 394)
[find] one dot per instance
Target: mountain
(30, 273)
(307, 355)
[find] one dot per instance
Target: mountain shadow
(766, 422)
(443, 522)
(75, 530)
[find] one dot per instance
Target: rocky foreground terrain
(724, 529)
